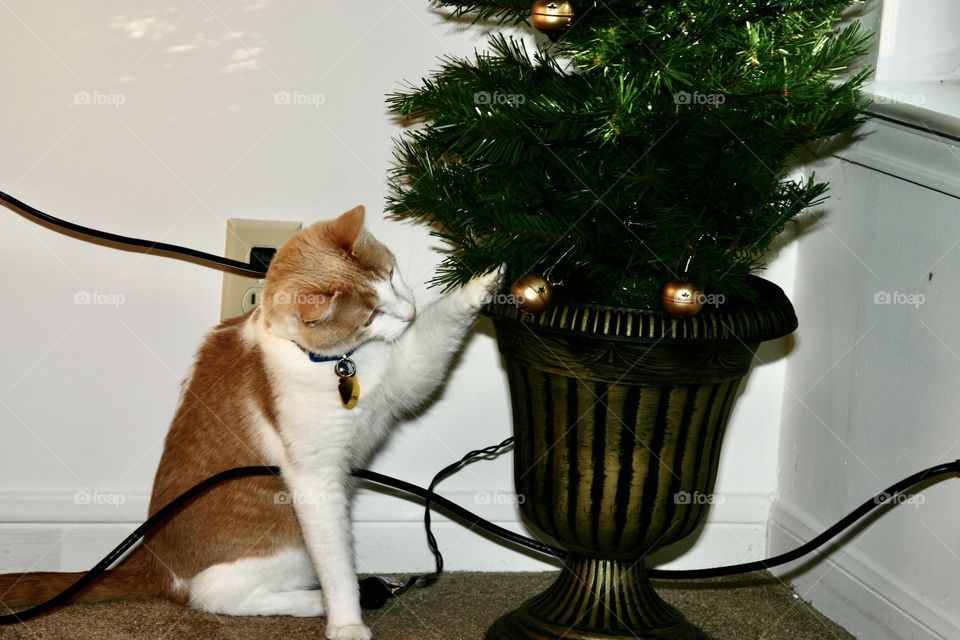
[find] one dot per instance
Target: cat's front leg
(420, 358)
(322, 503)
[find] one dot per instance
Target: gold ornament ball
(532, 293)
(681, 299)
(550, 16)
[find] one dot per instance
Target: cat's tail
(132, 579)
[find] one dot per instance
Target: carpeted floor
(459, 606)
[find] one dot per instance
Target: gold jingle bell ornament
(532, 293)
(550, 16)
(681, 299)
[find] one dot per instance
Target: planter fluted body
(619, 417)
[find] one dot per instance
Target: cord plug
(375, 591)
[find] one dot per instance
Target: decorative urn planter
(619, 416)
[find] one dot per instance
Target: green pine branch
(647, 144)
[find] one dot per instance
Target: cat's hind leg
(282, 584)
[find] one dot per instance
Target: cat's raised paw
(480, 290)
(349, 632)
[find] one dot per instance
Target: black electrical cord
(427, 579)
(887, 497)
(377, 592)
(64, 596)
(207, 259)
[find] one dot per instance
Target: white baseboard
(853, 590)
(918, 156)
(53, 531)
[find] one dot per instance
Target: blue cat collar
(316, 357)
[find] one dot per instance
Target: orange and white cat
(263, 391)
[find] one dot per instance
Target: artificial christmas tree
(636, 162)
(648, 133)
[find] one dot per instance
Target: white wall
(872, 387)
(159, 120)
(918, 40)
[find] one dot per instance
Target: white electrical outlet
(241, 294)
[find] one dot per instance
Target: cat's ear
(346, 229)
(315, 307)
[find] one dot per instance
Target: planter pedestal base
(596, 599)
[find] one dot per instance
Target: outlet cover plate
(240, 293)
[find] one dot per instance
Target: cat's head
(333, 285)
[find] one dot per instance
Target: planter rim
(772, 316)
